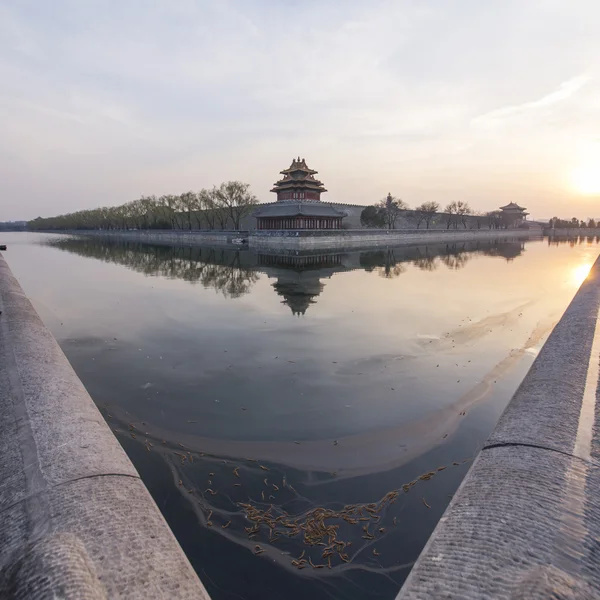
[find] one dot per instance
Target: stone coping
(76, 521)
(525, 522)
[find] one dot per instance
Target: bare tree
(235, 200)
(493, 219)
(219, 209)
(189, 204)
(209, 207)
(427, 212)
(451, 211)
(463, 212)
(416, 216)
(391, 208)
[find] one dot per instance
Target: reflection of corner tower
(299, 277)
(298, 290)
(298, 203)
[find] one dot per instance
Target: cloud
(100, 103)
(563, 92)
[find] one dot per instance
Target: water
(346, 376)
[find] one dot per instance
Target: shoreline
(307, 240)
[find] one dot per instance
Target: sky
(486, 102)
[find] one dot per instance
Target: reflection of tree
(388, 263)
(299, 277)
(507, 250)
(392, 266)
(426, 261)
(554, 240)
(456, 257)
(383, 262)
(217, 269)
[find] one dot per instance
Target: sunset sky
(487, 102)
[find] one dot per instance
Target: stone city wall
(302, 239)
(169, 236)
(371, 238)
(350, 221)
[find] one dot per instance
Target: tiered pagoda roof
(298, 177)
(513, 206)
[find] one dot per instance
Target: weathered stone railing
(174, 237)
(308, 239)
(525, 522)
(76, 521)
(303, 239)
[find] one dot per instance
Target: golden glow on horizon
(580, 273)
(586, 178)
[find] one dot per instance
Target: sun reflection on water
(580, 273)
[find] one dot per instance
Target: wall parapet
(524, 523)
(76, 519)
(345, 239)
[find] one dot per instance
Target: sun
(586, 179)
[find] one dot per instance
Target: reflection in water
(581, 272)
(574, 240)
(335, 439)
(222, 270)
(234, 272)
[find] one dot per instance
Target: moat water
(251, 390)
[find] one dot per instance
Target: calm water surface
(253, 390)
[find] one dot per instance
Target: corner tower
(298, 183)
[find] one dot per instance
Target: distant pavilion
(298, 203)
(514, 214)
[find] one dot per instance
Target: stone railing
(525, 522)
(76, 521)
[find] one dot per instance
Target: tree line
(386, 212)
(456, 214)
(13, 225)
(215, 208)
(574, 223)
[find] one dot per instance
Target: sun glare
(580, 273)
(586, 179)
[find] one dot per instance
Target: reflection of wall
(298, 277)
(300, 262)
(341, 240)
(572, 232)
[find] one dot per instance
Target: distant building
(298, 203)
(513, 214)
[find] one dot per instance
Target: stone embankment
(525, 522)
(343, 239)
(362, 239)
(76, 521)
